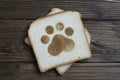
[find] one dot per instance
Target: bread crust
(63, 63)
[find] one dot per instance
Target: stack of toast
(58, 40)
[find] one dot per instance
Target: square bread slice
(61, 69)
(59, 38)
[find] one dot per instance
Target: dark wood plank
(93, 9)
(105, 43)
(79, 71)
(16, 0)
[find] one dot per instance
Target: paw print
(59, 42)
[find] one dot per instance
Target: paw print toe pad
(45, 39)
(69, 31)
(49, 29)
(59, 26)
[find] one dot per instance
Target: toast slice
(61, 69)
(62, 45)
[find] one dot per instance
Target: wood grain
(101, 17)
(32, 9)
(105, 41)
(79, 71)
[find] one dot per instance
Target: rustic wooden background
(101, 17)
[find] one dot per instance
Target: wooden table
(101, 17)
